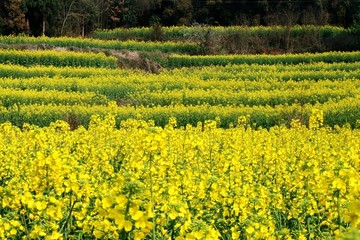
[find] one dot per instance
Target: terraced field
(211, 147)
(270, 94)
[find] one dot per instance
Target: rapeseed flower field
(140, 181)
(212, 147)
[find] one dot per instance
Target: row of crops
(314, 70)
(213, 147)
(89, 59)
(194, 32)
(132, 45)
(264, 59)
(56, 58)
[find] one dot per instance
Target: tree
(78, 16)
(14, 17)
(2, 17)
(65, 17)
(178, 12)
(140, 12)
(42, 13)
(343, 12)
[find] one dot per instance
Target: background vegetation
(81, 17)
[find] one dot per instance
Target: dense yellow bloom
(199, 182)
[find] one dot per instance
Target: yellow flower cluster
(9, 97)
(343, 112)
(315, 93)
(296, 72)
(195, 182)
(138, 82)
(314, 70)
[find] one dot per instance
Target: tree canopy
(80, 17)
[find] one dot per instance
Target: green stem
(72, 205)
(23, 220)
(338, 209)
(152, 198)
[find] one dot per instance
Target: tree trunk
(27, 26)
(43, 26)
(83, 28)
(65, 18)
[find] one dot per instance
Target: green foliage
(185, 33)
(11, 97)
(240, 39)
